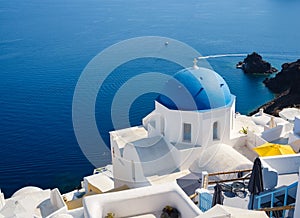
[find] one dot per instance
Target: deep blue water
(45, 45)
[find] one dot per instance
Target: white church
(194, 127)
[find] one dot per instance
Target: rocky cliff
(254, 64)
(287, 84)
(287, 79)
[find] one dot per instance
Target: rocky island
(286, 84)
(254, 64)
(287, 79)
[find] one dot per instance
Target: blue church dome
(196, 88)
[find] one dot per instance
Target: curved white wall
(201, 123)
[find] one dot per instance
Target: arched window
(215, 131)
(187, 132)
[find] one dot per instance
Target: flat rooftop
(242, 121)
(154, 180)
(128, 135)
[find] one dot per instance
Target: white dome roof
(220, 158)
(26, 190)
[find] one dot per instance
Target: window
(187, 132)
(215, 131)
(153, 123)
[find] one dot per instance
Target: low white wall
(293, 138)
(78, 212)
(237, 142)
(56, 199)
(254, 140)
(294, 142)
(270, 176)
(272, 134)
(57, 203)
(282, 164)
(2, 202)
(139, 201)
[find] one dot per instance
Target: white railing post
(204, 180)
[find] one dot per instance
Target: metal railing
(287, 207)
(206, 181)
(205, 198)
(273, 196)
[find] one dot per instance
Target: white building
(193, 129)
(196, 111)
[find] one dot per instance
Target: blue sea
(45, 45)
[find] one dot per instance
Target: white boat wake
(221, 55)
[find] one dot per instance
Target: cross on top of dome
(195, 64)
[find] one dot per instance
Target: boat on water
(192, 154)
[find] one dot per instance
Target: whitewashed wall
(201, 121)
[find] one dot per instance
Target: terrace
(280, 178)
